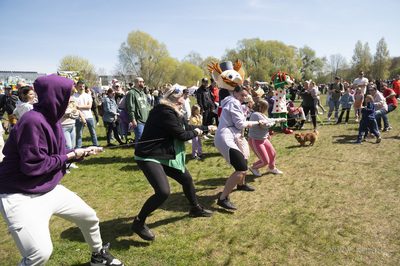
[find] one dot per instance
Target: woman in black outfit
(161, 153)
(308, 105)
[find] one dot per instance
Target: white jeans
(28, 216)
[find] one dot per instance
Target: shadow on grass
(212, 182)
(345, 139)
(166, 221)
(177, 202)
(393, 137)
(130, 168)
(107, 160)
(110, 231)
(296, 146)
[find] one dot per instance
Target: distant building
(123, 79)
(28, 76)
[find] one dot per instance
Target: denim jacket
(110, 109)
(346, 101)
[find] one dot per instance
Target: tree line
(141, 55)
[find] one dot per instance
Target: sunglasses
(176, 91)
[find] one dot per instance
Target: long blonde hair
(171, 97)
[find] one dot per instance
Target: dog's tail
(316, 132)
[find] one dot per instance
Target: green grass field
(336, 204)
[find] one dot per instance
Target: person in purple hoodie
(34, 163)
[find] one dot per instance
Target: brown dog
(303, 137)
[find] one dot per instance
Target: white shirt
(361, 81)
(21, 108)
(187, 112)
(82, 100)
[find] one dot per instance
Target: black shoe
(110, 145)
(245, 187)
(142, 230)
(199, 211)
(104, 258)
(299, 126)
(226, 203)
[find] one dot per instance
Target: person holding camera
(336, 90)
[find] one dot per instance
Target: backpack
(100, 110)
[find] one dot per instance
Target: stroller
(295, 115)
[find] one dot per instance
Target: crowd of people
(162, 121)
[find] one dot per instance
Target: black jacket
(161, 128)
(8, 103)
(205, 99)
(308, 100)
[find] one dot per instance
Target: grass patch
(336, 203)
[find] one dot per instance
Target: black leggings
(237, 160)
(156, 174)
(310, 109)
(110, 128)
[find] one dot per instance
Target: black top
(205, 98)
(308, 100)
(161, 128)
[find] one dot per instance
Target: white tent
(192, 90)
(179, 87)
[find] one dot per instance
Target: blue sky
(36, 35)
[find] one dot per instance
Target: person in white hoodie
(231, 126)
(25, 103)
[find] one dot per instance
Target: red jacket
(215, 93)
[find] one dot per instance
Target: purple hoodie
(35, 155)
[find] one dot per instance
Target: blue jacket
(346, 101)
(368, 112)
(110, 109)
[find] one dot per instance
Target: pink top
(358, 99)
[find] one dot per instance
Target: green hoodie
(137, 106)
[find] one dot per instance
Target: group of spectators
(35, 165)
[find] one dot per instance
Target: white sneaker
(205, 137)
(255, 171)
(209, 135)
(275, 171)
(73, 166)
(327, 120)
(97, 124)
(336, 119)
